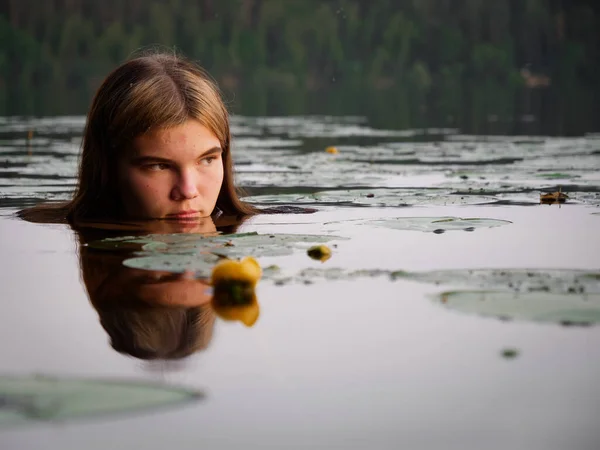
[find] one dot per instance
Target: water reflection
(148, 314)
(158, 315)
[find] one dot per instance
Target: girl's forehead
(189, 134)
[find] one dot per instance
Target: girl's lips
(184, 214)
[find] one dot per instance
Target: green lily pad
(179, 253)
(560, 296)
(376, 197)
(436, 224)
(201, 265)
(517, 280)
(583, 309)
(187, 242)
(30, 399)
(557, 281)
(556, 176)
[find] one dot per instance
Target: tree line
(273, 56)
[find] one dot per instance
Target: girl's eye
(156, 166)
(207, 161)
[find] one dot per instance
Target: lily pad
(44, 167)
(583, 309)
(30, 399)
(201, 264)
(378, 197)
(560, 296)
(556, 176)
(518, 280)
(436, 224)
(558, 281)
(187, 242)
(179, 253)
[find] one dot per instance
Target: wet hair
(146, 93)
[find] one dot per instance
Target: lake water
(455, 312)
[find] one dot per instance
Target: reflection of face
(174, 173)
(203, 225)
(170, 289)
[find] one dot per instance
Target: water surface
(343, 355)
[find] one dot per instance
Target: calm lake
(455, 312)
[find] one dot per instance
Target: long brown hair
(148, 92)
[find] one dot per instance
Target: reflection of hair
(135, 327)
(145, 93)
(151, 332)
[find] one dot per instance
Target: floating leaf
(179, 253)
(583, 309)
(177, 242)
(513, 165)
(436, 224)
(518, 280)
(377, 197)
(201, 264)
(30, 399)
(556, 175)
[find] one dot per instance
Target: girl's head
(156, 145)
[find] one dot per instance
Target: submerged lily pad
(28, 399)
(582, 309)
(436, 224)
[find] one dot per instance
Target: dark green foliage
(452, 62)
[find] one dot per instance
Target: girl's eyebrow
(211, 151)
(145, 159)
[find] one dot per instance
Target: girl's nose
(186, 187)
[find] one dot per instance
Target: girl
(156, 146)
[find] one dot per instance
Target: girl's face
(172, 173)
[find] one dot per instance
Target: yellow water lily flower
(332, 150)
(319, 252)
(233, 283)
(246, 271)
